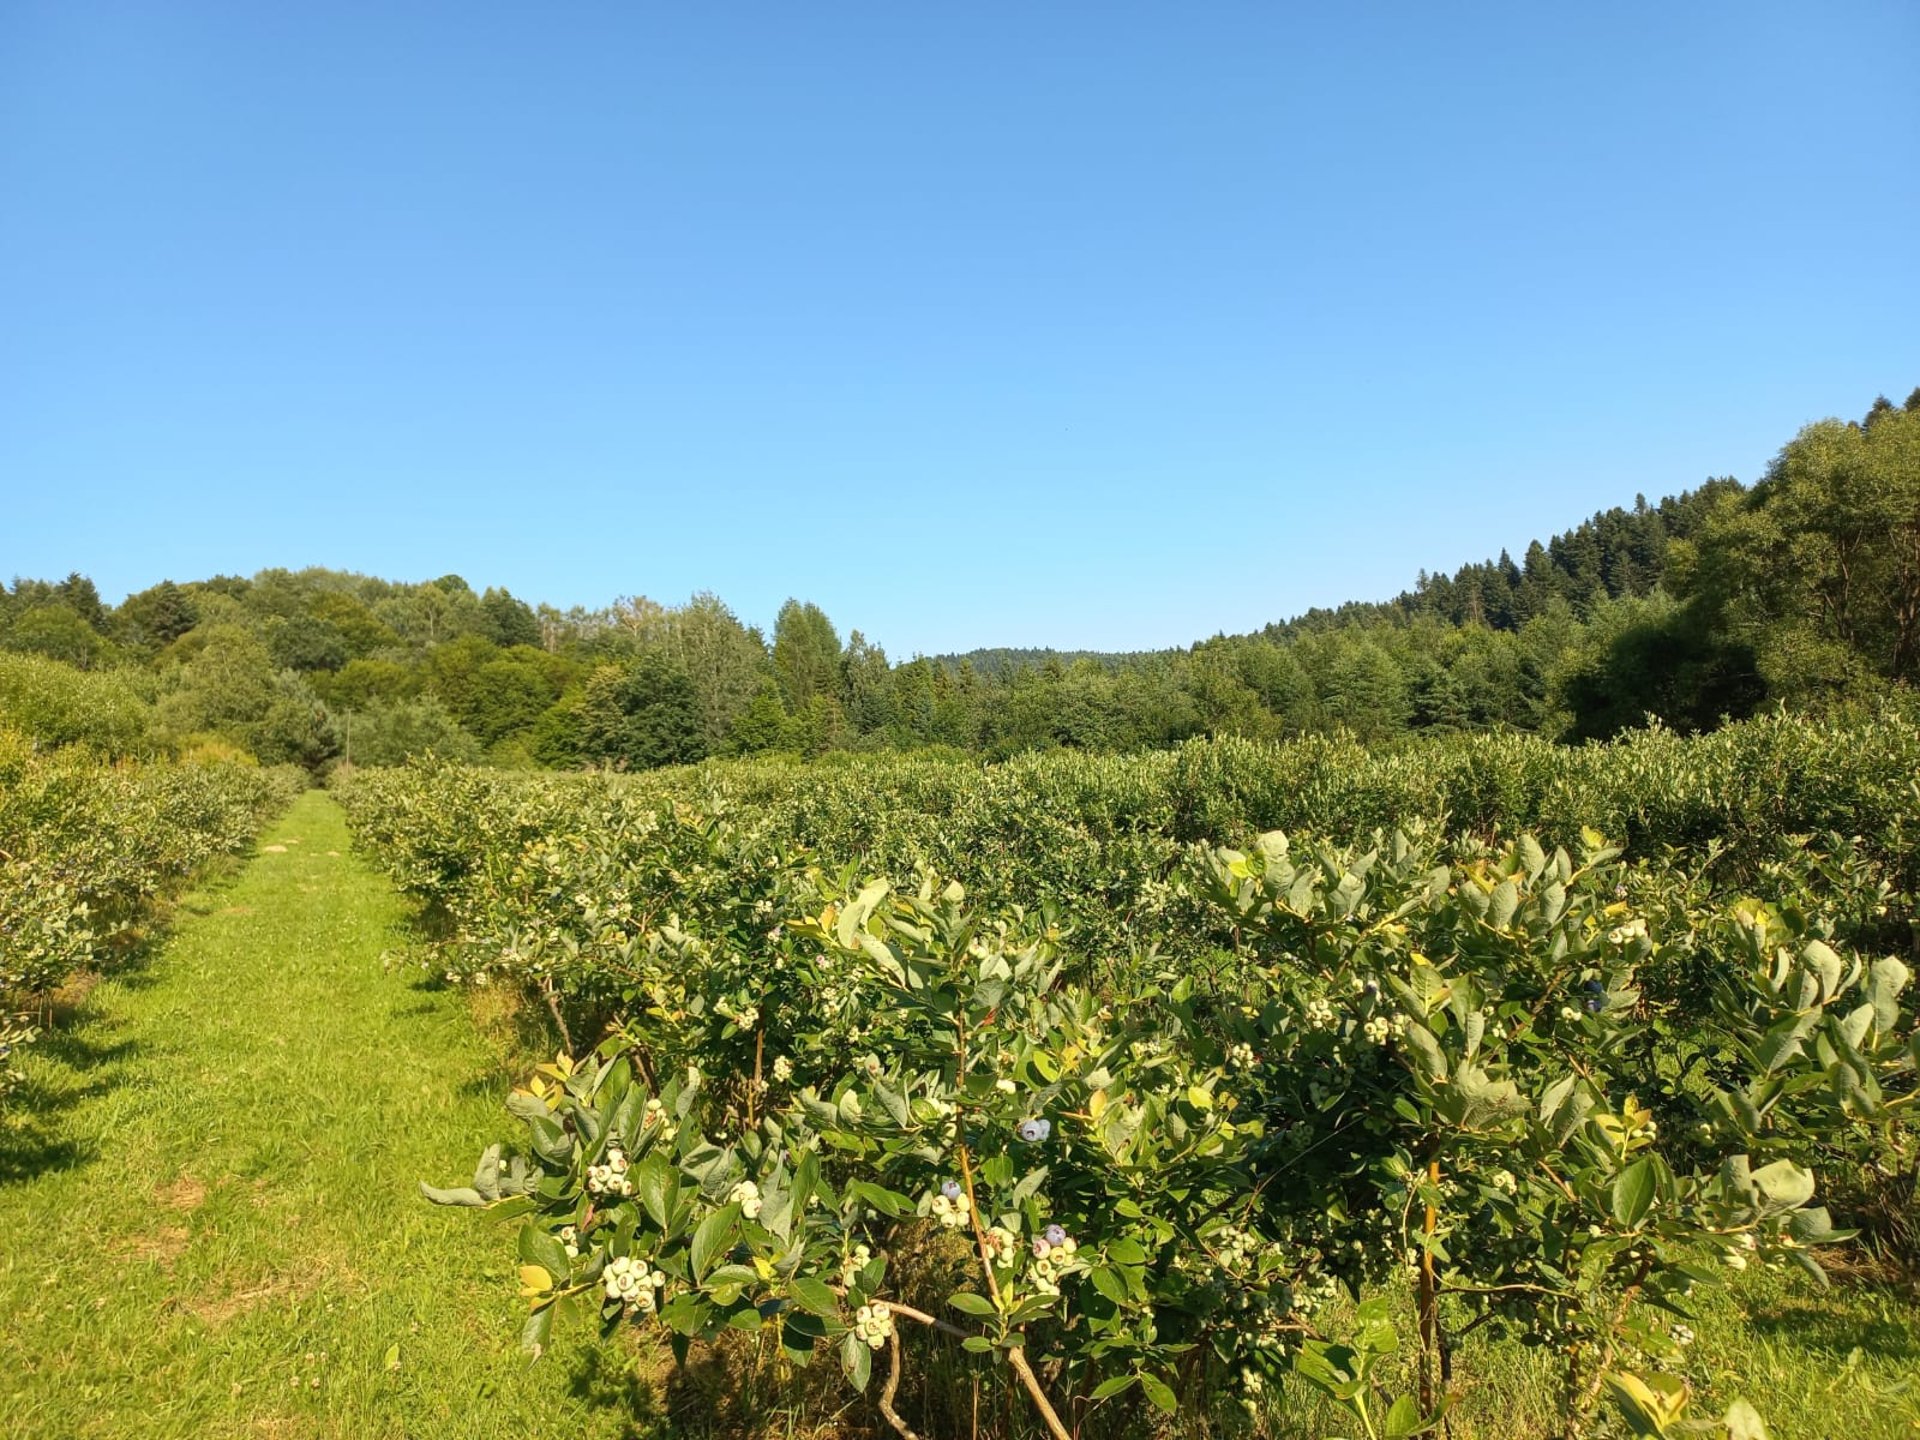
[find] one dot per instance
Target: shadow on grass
(1811, 1326)
(78, 1056)
(609, 1380)
(719, 1391)
(35, 1149)
(70, 1068)
(495, 1084)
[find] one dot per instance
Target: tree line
(1803, 588)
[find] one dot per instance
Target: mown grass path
(208, 1225)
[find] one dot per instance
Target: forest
(1802, 588)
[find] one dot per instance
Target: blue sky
(1095, 325)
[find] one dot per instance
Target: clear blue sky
(1094, 325)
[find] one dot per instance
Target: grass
(211, 1227)
(1817, 1364)
(210, 1217)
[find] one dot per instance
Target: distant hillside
(1616, 554)
(1002, 661)
(1801, 589)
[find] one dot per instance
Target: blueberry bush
(87, 847)
(1300, 1104)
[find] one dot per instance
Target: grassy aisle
(211, 1227)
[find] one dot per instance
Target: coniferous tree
(806, 654)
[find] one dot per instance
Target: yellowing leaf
(534, 1280)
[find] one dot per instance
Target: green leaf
(890, 1203)
(795, 1344)
(1477, 1102)
(814, 1295)
(1504, 901)
(1403, 1419)
(1159, 1392)
(714, 1236)
(1743, 1422)
(1420, 1040)
(537, 1247)
(1818, 957)
(1784, 1184)
(856, 1360)
(968, 1303)
(525, 1105)
(823, 1113)
(550, 1141)
(1029, 1183)
(656, 1184)
(1888, 978)
(988, 994)
(1108, 1282)
(895, 1104)
(855, 915)
(1814, 1226)
(1555, 1095)
(1532, 856)
(1118, 1385)
(1474, 1031)
(460, 1195)
(685, 1314)
(1633, 1193)
(534, 1335)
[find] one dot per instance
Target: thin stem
(1017, 1358)
(1016, 1355)
(888, 1390)
(1571, 1430)
(753, 1091)
(553, 1005)
(973, 1216)
(1429, 1298)
(925, 1319)
(966, 1164)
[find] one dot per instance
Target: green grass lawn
(210, 1221)
(211, 1229)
